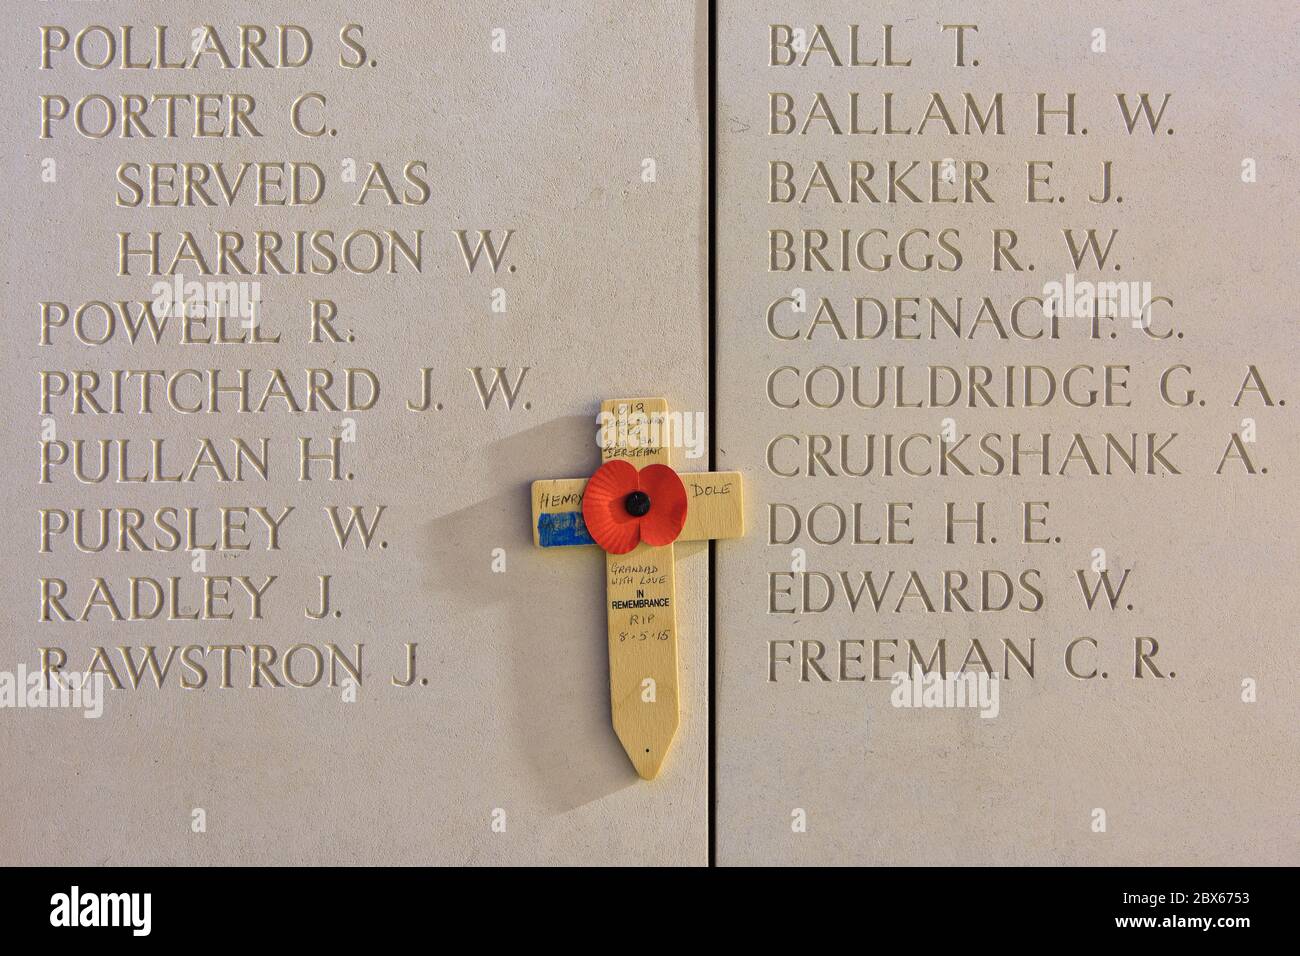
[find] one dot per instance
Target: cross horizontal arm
(714, 509)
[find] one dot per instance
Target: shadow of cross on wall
(555, 676)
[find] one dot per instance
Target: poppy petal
(603, 509)
(667, 513)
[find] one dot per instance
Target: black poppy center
(637, 503)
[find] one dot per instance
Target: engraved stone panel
(434, 375)
(1193, 762)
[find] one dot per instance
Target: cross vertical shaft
(641, 601)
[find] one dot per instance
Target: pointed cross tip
(647, 764)
(646, 755)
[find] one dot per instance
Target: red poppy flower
(622, 506)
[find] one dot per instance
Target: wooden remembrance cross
(640, 587)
